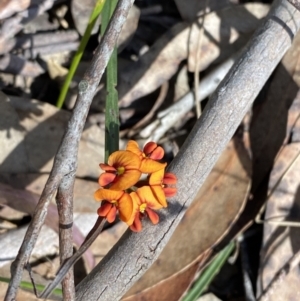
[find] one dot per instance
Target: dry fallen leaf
(129, 27)
(275, 122)
(9, 7)
(31, 132)
(276, 113)
(25, 201)
(190, 9)
(226, 31)
(209, 297)
(280, 241)
(214, 210)
(81, 11)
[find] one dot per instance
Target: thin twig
(64, 201)
(198, 55)
(134, 253)
(65, 162)
(16, 23)
(160, 99)
(168, 117)
(296, 3)
(33, 41)
(9, 8)
(63, 270)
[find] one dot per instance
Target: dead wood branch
(10, 63)
(135, 252)
(65, 162)
(13, 25)
(64, 201)
(35, 41)
(9, 8)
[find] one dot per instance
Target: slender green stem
(77, 57)
(111, 106)
(209, 273)
(28, 286)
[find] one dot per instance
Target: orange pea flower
(122, 170)
(114, 201)
(144, 204)
(159, 182)
(149, 156)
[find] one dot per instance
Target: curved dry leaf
(274, 118)
(12, 135)
(190, 9)
(26, 201)
(214, 210)
(31, 132)
(280, 241)
(226, 31)
(10, 7)
(274, 123)
(129, 27)
(171, 288)
(22, 192)
(10, 242)
(81, 11)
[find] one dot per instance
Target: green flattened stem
(111, 105)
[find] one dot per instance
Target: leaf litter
(158, 51)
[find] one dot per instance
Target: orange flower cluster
(122, 191)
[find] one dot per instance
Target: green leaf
(29, 287)
(77, 57)
(209, 273)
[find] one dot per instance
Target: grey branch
(65, 162)
(135, 252)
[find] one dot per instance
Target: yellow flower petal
(147, 196)
(136, 200)
(126, 180)
(156, 177)
(133, 147)
(126, 209)
(125, 159)
(150, 166)
(159, 195)
(107, 195)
